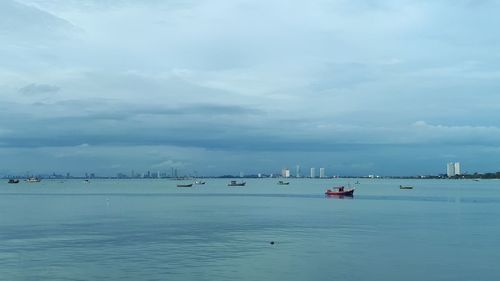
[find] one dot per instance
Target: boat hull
(184, 185)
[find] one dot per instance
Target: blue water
(153, 230)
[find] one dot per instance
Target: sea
(153, 230)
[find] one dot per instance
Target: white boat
(33, 179)
(235, 183)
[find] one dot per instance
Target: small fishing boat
(339, 191)
(13, 181)
(235, 183)
(185, 185)
(283, 182)
(405, 187)
(199, 182)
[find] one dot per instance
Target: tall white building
(457, 168)
(297, 172)
(450, 169)
(322, 173)
(285, 172)
(313, 172)
(453, 169)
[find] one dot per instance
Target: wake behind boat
(339, 191)
(235, 183)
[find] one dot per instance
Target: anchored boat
(339, 191)
(32, 179)
(235, 183)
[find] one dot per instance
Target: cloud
(308, 78)
(24, 24)
(457, 135)
(168, 164)
(37, 89)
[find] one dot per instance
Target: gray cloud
(340, 83)
(24, 24)
(36, 89)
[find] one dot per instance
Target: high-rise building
(285, 172)
(313, 172)
(322, 172)
(450, 169)
(457, 168)
(297, 173)
(453, 169)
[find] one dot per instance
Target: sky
(227, 86)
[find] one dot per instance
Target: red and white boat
(339, 191)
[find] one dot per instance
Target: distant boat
(283, 182)
(476, 179)
(339, 191)
(185, 185)
(199, 182)
(33, 179)
(86, 181)
(234, 183)
(13, 181)
(405, 187)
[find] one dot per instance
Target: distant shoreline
(461, 177)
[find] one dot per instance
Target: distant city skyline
(453, 169)
(357, 87)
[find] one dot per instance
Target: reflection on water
(151, 230)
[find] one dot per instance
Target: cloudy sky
(389, 87)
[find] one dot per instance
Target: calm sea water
(153, 230)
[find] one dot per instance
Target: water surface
(153, 230)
